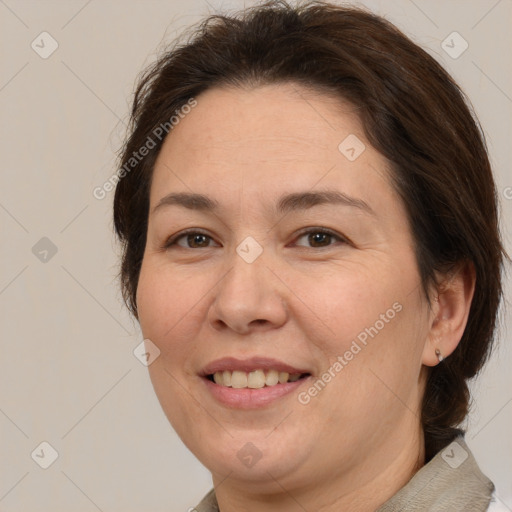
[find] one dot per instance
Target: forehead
(228, 119)
(267, 140)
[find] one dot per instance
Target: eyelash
(193, 231)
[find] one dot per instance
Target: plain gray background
(68, 375)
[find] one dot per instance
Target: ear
(450, 311)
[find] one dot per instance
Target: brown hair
(412, 112)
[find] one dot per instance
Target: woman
(311, 247)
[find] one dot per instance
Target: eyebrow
(305, 200)
(188, 200)
(289, 202)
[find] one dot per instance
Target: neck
(390, 467)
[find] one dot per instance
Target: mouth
(255, 379)
(251, 383)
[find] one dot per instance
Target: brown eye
(190, 240)
(322, 239)
(318, 238)
(198, 240)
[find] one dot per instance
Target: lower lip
(247, 398)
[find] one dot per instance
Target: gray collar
(451, 481)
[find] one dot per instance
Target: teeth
(226, 378)
(256, 379)
(272, 378)
(238, 379)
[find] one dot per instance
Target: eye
(190, 240)
(315, 237)
(320, 237)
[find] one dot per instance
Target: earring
(439, 356)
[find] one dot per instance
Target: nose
(250, 297)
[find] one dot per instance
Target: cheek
(166, 306)
(163, 302)
(375, 319)
(351, 301)
(151, 302)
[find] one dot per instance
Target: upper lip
(249, 365)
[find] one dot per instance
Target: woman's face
(248, 291)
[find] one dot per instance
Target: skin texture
(302, 301)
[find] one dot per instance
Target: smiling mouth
(256, 379)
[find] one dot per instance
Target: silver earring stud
(439, 356)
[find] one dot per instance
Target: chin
(255, 457)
